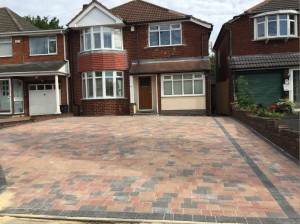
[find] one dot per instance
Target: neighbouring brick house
(33, 68)
(262, 44)
(139, 57)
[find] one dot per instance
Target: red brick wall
(191, 39)
(103, 61)
(21, 52)
(105, 107)
(267, 127)
(243, 44)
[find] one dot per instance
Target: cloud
(216, 12)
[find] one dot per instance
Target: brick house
(139, 58)
(262, 44)
(33, 68)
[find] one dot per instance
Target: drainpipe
(230, 43)
(137, 44)
(70, 67)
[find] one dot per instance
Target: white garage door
(42, 99)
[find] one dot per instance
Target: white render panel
(183, 103)
(95, 18)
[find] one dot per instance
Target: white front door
(295, 90)
(5, 98)
(42, 99)
(18, 96)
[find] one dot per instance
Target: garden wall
(281, 136)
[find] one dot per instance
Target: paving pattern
(148, 168)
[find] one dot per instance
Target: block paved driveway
(148, 167)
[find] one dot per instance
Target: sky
(216, 12)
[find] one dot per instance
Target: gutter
(32, 33)
(35, 73)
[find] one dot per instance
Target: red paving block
(188, 163)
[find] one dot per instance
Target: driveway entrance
(147, 168)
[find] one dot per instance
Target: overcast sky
(216, 12)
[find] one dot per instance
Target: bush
(243, 95)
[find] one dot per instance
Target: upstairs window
(5, 47)
(275, 26)
(43, 45)
(165, 35)
(96, 38)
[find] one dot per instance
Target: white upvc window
(5, 47)
(275, 26)
(102, 84)
(43, 45)
(165, 35)
(183, 84)
(97, 38)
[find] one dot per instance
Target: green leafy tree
(44, 23)
(212, 59)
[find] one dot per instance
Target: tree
(212, 59)
(44, 23)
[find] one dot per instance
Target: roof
(11, 22)
(177, 66)
(273, 5)
(281, 60)
(53, 66)
(138, 11)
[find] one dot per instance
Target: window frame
(48, 41)
(102, 42)
(159, 34)
(194, 78)
(6, 42)
(278, 25)
(115, 77)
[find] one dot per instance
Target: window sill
(267, 39)
(101, 51)
(178, 45)
(6, 56)
(182, 96)
(107, 98)
(36, 55)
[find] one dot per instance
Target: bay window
(103, 84)
(5, 47)
(183, 84)
(43, 45)
(165, 35)
(96, 38)
(275, 26)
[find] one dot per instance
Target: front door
(296, 88)
(5, 100)
(145, 93)
(18, 97)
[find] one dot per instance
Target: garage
(42, 99)
(265, 88)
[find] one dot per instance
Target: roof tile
(138, 11)
(274, 5)
(265, 61)
(11, 22)
(170, 66)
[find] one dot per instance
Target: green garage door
(265, 88)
